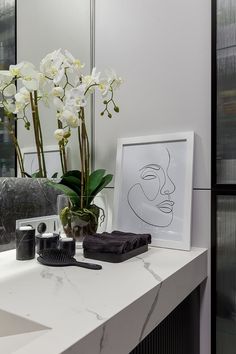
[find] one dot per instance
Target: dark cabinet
(224, 177)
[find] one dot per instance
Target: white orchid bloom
(73, 61)
(22, 99)
(104, 87)
(44, 91)
(5, 78)
(23, 95)
(27, 73)
(30, 77)
(9, 106)
(70, 118)
(52, 66)
(113, 78)
(59, 134)
(92, 79)
(15, 70)
(9, 91)
(57, 91)
(58, 103)
(75, 98)
(19, 108)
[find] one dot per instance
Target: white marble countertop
(76, 310)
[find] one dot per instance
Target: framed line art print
(153, 188)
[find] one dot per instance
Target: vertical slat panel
(178, 333)
(226, 275)
(226, 91)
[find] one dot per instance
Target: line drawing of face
(151, 197)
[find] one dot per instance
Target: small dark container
(67, 244)
(46, 241)
(25, 244)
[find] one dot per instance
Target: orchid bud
(67, 134)
(59, 134)
(27, 125)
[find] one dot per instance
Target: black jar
(68, 244)
(46, 241)
(25, 244)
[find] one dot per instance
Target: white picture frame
(153, 188)
(52, 160)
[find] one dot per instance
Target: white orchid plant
(60, 83)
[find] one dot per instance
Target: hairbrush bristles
(61, 258)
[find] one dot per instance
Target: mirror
(7, 56)
(42, 27)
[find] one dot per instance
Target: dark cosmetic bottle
(25, 243)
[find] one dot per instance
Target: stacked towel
(117, 242)
(143, 239)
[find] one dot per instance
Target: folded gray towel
(144, 239)
(105, 244)
(117, 242)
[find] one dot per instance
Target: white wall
(162, 49)
(43, 26)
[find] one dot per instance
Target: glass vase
(78, 223)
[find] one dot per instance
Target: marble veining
(98, 317)
(147, 266)
(70, 282)
(47, 274)
(102, 340)
(153, 306)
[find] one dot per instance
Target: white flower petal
(57, 91)
(71, 119)
(31, 84)
(58, 103)
(58, 77)
(10, 90)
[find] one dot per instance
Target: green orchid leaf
(94, 181)
(74, 173)
(105, 181)
(75, 200)
(72, 182)
(55, 175)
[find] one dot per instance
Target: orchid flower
(52, 66)
(5, 78)
(9, 90)
(9, 105)
(113, 78)
(70, 118)
(57, 91)
(26, 72)
(59, 82)
(22, 99)
(72, 61)
(75, 98)
(92, 79)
